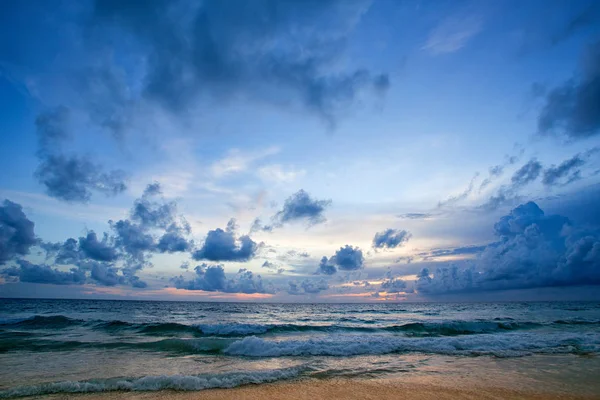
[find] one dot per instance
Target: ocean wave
(153, 383)
(41, 322)
(342, 326)
(501, 345)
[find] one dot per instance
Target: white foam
(152, 383)
(503, 345)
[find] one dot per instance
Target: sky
(300, 151)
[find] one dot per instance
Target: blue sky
(300, 151)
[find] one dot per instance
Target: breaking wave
(153, 383)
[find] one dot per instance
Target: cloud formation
(534, 250)
(301, 207)
(223, 245)
(390, 238)
(211, 278)
(571, 109)
(153, 227)
(307, 286)
(264, 50)
(16, 232)
(70, 178)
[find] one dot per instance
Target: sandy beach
(380, 389)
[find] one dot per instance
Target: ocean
(67, 346)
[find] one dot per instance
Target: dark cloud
(522, 177)
(535, 250)
(307, 287)
(16, 232)
(222, 245)
(463, 250)
(174, 242)
(394, 285)
(211, 278)
(97, 250)
(589, 16)
(116, 258)
(277, 52)
(326, 268)
(573, 108)
(132, 239)
(151, 213)
(300, 206)
(348, 258)
(106, 275)
(568, 169)
(526, 174)
(391, 238)
(69, 177)
(33, 273)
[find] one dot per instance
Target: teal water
(50, 346)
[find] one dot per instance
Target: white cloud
(453, 33)
(279, 174)
(239, 161)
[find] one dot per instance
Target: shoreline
(312, 389)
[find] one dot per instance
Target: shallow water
(83, 345)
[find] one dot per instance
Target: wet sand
(376, 389)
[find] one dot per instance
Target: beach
(379, 389)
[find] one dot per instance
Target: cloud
(33, 273)
(117, 258)
(173, 242)
(462, 250)
(222, 245)
(497, 170)
(211, 278)
(567, 169)
(279, 53)
(571, 109)
(326, 268)
(70, 178)
(415, 216)
(278, 174)
(390, 238)
(394, 285)
(348, 258)
(534, 250)
(460, 197)
(16, 232)
(453, 33)
(307, 287)
(300, 206)
(525, 175)
(237, 161)
(97, 250)
(106, 275)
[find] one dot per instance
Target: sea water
(55, 346)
